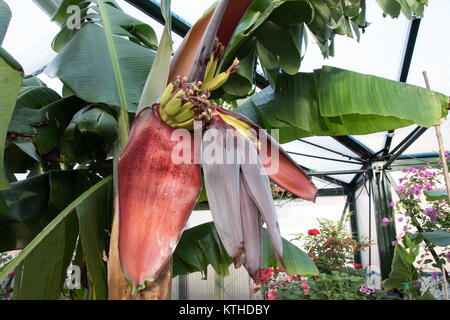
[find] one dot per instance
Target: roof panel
(432, 50)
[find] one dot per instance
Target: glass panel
(307, 156)
(374, 141)
(379, 51)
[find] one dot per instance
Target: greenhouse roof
(397, 49)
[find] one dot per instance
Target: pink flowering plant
(327, 286)
(423, 208)
(423, 212)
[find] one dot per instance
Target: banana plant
(127, 182)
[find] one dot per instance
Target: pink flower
(405, 228)
(385, 222)
(290, 277)
(367, 289)
(400, 219)
(271, 295)
(394, 243)
(391, 204)
(305, 286)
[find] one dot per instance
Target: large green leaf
(332, 102)
(11, 76)
(200, 246)
(40, 266)
(5, 18)
(288, 20)
(402, 269)
(86, 67)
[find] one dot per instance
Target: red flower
(313, 232)
(357, 265)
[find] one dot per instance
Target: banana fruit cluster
(183, 101)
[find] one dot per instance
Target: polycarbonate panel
(322, 184)
(374, 141)
(379, 51)
(332, 144)
(432, 49)
(308, 159)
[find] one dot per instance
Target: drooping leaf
(93, 119)
(334, 101)
(11, 76)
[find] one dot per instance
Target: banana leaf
(5, 18)
(200, 246)
(86, 66)
(40, 268)
(279, 28)
(332, 102)
(11, 75)
(35, 201)
(121, 23)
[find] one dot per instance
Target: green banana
(166, 95)
(184, 116)
(210, 68)
(173, 106)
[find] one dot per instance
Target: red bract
(154, 199)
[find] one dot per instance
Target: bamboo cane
(445, 169)
(441, 146)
